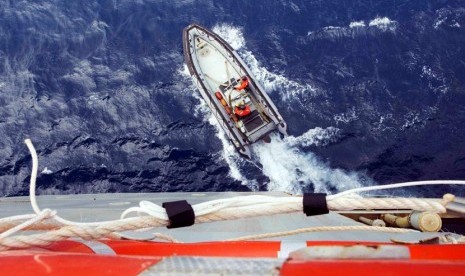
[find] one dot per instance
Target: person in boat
(243, 83)
(241, 109)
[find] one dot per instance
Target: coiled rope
(215, 210)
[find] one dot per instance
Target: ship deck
(100, 207)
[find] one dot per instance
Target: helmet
(241, 104)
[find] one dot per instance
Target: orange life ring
(134, 257)
(242, 248)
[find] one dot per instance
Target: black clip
(315, 204)
(180, 213)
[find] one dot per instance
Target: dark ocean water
(372, 91)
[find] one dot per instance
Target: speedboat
(237, 100)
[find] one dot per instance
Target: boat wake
(292, 170)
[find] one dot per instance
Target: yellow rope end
(447, 198)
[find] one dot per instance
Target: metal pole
(372, 222)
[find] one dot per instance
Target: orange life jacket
(242, 112)
(243, 85)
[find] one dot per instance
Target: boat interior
(221, 76)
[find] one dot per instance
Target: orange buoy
(218, 95)
(223, 102)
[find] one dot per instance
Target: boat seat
(251, 116)
(225, 85)
(240, 95)
(201, 44)
(253, 121)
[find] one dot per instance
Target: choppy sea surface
(373, 92)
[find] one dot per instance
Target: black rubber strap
(315, 204)
(180, 213)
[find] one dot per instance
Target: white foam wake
(290, 169)
(232, 35)
(357, 24)
(355, 28)
(383, 23)
(317, 136)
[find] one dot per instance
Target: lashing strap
(315, 204)
(180, 213)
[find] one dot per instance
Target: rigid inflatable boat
(238, 101)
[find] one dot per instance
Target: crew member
(242, 109)
(244, 82)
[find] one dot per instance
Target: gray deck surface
(95, 207)
(254, 122)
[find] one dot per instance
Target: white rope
(46, 213)
(324, 229)
(32, 192)
(165, 237)
(449, 239)
(417, 204)
(35, 167)
(397, 185)
(7, 220)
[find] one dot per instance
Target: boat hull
(216, 70)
